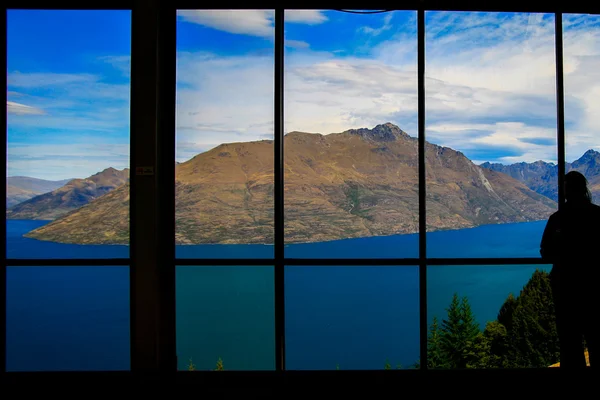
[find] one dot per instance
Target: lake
(77, 318)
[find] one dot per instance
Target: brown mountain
(21, 188)
(75, 194)
(356, 183)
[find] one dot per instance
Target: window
(491, 130)
(224, 149)
(225, 318)
(490, 316)
(64, 319)
(351, 317)
(224, 204)
(351, 176)
(353, 189)
(68, 83)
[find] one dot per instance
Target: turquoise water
(69, 318)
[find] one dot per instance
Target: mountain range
(21, 188)
(71, 196)
(542, 176)
(356, 183)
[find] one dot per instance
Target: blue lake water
(70, 318)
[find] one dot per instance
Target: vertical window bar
(560, 105)
(422, 198)
(278, 175)
(166, 88)
(3, 195)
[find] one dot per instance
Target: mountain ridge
(542, 176)
(22, 188)
(355, 183)
(71, 196)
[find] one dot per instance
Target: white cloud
(297, 44)
(310, 17)
(490, 84)
(386, 25)
(222, 100)
(249, 22)
(22, 109)
(122, 63)
(44, 80)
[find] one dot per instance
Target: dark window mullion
(278, 195)
(3, 196)
(165, 184)
(422, 189)
(560, 105)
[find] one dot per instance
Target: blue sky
(490, 82)
(68, 92)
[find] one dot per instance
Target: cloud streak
(249, 22)
(22, 109)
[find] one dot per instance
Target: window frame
(152, 260)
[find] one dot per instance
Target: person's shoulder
(555, 214)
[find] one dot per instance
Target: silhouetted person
(571, 242)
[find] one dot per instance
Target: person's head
(576, 189)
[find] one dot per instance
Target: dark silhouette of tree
(487, 347)
(532, 334)
(506, 311)
(458, 333)
(436, 357)
(387, 365)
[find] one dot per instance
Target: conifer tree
(458, 332)
(435, 352)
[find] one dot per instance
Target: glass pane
(225, 318)
(224, 146)
(581, 44)
(351, 175)
(351, 318)
(491, 316)
(68, 133)
(67, 318)
(491, 133)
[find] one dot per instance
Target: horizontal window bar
(68, 5)
(577, 6)
(485, 261)
(72, 262)
(361, 261)
(68, 262)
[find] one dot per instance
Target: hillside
(542, 177)
(73, 195)
(21, 188)
(351, 184)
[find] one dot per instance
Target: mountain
(71, 196)
(589, 165)
(360, 182)
(542, 177)
(21, 188)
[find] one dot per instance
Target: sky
(490, 82)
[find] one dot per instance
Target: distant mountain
(21, 188)
(73, 195)
(542, 177)
(360, 182)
